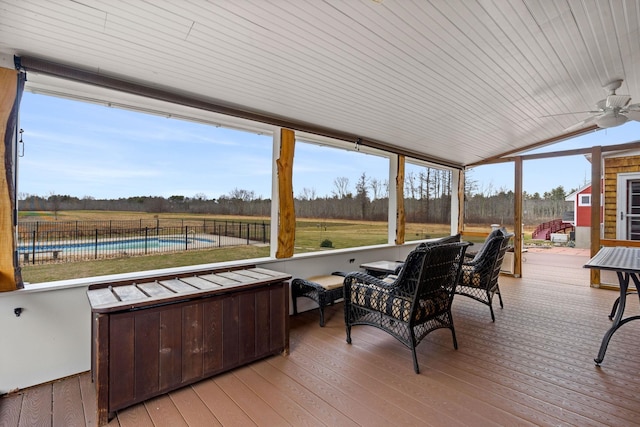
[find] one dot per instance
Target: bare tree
(341, 184)
(243, 195)
(376, 188)
(307, 194)
(410, 186)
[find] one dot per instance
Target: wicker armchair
(479, 278)
(416, 303)
(439, 241)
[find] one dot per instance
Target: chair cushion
(328, 282)
(469, 277)
(376, 298)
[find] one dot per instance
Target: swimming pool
(124, 244)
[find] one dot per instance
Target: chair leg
(499, 296)
(348, 334)
(453, 334)
(321, 304)
(491, 295)
(415, 360)
(321, 316)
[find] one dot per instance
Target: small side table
(324, 290)
(381, 268)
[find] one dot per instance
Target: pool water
(120, 245)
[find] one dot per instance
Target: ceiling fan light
(610, 119)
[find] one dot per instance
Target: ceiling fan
(612, 111)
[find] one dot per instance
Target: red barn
(582, 215)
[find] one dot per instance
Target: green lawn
(60, 271)
(310, 234)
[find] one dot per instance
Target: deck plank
(163, 411)
(434, 396)
(355, 408)
(67, 403)
(303, 394)
(533, 366)
(10, 409)
(226, 411)
(287, 408)
(395, 381)
(194, 411)
(36, 406)
(256, 404)
(88, 395)
(135, 416)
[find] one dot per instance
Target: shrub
(326, 243)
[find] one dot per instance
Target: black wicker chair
(479, 278)
(416, 303)
(439, 241)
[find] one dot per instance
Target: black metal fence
(66, 241)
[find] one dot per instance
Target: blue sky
(572, 172)
(82, 149)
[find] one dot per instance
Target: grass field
(310, 233)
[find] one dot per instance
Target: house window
(584, 200)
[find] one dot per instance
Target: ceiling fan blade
(633, 107)
(633, 115)
(617, 100)
(572, 114)
(582, 123)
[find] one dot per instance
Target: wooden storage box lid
(104, 299)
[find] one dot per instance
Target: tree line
(427, 199)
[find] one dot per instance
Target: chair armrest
(366, 279)
(472, 263)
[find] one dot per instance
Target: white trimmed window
(584, 200)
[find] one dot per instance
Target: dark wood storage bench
(153, 337)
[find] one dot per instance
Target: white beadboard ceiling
(457, 80)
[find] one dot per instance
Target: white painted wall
(52, 337)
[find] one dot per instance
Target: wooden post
(400, 224)
(8, 89)
(596, 195)
(461, 201)
(286, 212)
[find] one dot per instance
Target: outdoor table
(381, 268)
(626, 263)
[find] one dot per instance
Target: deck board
(162, 410)
(36, 407)
(305, 395)
(533, 366)
(226, 411)
(67, 403)
(10, 410)
(257, 402)
(194, 411)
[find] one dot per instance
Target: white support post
(275, 199)
(393, 200)
(456, 177)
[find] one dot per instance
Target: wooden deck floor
(533, 366)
